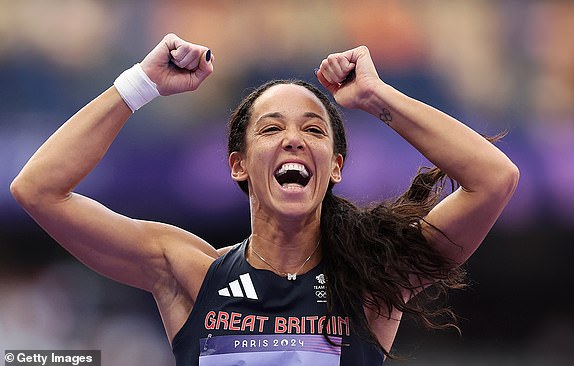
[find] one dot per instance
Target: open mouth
(292, 175)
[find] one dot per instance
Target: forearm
(77, 147)
(73, 150)
(459, 151)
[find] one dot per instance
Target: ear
(336, 170)
(236, 165)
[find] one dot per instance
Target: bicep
(459, 223)
(456, 227)
(130, 251)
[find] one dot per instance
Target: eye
(315, 130)
(270, 129)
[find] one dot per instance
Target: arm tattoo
(386, 116)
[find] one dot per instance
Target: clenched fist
(178, 66)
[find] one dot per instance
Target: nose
(293, 140)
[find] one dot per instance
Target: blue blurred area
(497, 65)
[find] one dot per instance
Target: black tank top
(248, 316)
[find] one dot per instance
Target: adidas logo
(243, 287)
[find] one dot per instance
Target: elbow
(506, 181)
(34, 196)
(34, 193)
(18, 191)
(515, 176)
(24, 192)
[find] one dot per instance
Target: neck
(284, 244)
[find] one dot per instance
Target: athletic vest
(253, 317)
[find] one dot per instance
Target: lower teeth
(291, 185)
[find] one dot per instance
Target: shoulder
(190, 261)
(225, 250)
(184, 258)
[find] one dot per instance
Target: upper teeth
(294, 166)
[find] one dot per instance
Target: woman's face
(289, 160)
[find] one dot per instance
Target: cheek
(327, 163)
(258, 155)
(259, 150)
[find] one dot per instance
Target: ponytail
(370, 255)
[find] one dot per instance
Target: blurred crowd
(497, 65)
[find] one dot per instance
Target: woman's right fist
(177, 66)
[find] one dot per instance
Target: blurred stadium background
(497, 65)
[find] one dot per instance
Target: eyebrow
(279, 115)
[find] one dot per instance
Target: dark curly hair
(373, 252)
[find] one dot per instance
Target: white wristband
(135, 87)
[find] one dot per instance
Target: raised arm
(134, 252)
(487, 177)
